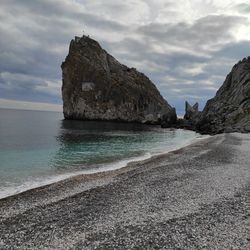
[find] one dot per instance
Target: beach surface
(197, 197)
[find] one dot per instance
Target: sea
(40, 147)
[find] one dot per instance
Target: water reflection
(85, 144)
(105, 126)
(36, 146)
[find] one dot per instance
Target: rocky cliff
(97, 87)
(229, 110)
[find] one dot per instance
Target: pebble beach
(197, 197)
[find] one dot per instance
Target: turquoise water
(38, 147)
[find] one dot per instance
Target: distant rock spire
(190, 110)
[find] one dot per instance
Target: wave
(36, 182)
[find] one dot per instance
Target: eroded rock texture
(229, 110)
(191, 111)
(97, 87)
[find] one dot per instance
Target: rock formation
(191, 111)
(229, 110)
(191, 117)
(97, 87)
(169, 119)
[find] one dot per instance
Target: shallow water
(39, 147)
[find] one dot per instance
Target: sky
(186, 47)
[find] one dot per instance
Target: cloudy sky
(186, 47)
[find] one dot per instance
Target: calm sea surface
(39, 147)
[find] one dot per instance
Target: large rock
(97, 87)
(169, 119)
(229, 110)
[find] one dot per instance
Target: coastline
(152, 198)
(50, 180)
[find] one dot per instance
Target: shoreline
(192, 198)
(105, 168)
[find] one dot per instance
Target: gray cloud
(244, 7)
(204, 35)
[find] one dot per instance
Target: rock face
(169, 119)
(229, 110)
(97, 87)
(191, 111)
(191, 117)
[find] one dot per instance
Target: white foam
(39, 182)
